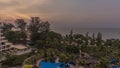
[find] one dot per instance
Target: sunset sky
(67, 14)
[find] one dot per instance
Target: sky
(67, 14)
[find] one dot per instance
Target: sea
(107, 33)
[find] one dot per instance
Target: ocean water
(107, 33)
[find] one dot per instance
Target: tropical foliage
(78, 48)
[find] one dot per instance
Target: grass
(28, 66)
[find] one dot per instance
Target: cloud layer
(67, 13)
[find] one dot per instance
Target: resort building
(4, 44)
(8, 48)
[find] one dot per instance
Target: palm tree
(99, 39)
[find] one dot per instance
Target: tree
(7, 27)
(93, 39)
(71, 37)
(64, 58)
(108, 42)
(79, 39)
(46, 40)
(104, 63)
(37, 25)
(72, 49)
(34, 25)
(99, 39)
(44, 27)
(15, 60)
(21, 24)
(87, 38)
(15, 36)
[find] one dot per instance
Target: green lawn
(28, 66)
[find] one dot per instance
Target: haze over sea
(107, 33)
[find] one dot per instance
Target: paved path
(27, 59)
(38, 62)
